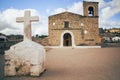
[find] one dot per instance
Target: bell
(90, 12)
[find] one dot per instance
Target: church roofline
(65, 12)
(90, 2)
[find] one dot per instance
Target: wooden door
(67, 40)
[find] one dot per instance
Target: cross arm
(19, 19)
(35, 18)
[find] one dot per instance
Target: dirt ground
(77, 64)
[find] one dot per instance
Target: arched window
(90, 11)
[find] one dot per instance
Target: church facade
(70, 29)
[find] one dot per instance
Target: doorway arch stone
(62, 38)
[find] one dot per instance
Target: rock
(25, 58)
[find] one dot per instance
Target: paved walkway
(77, 64)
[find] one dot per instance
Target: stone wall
(42, 41)
(91, 25)
(56, 28)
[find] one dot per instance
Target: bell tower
(90, 8)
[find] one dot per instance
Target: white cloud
(8, 24)
(56, 11)
(112, 9)
(110, 24)
(107, 12)
(76, 8)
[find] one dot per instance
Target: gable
(65, 15)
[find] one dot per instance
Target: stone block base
(24, 58)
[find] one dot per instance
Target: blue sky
(109, 13)
(40, 5)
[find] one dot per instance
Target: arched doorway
(67, 39)
(62, 38)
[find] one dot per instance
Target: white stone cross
(27, 19)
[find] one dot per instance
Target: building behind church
(70, 29)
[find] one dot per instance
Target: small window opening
(66, 24)
(90, 11)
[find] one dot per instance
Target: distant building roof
(116, 38)
(115, 30)
(3, 37)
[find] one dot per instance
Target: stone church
(70, 29)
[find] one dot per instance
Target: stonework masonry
(84, 28)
